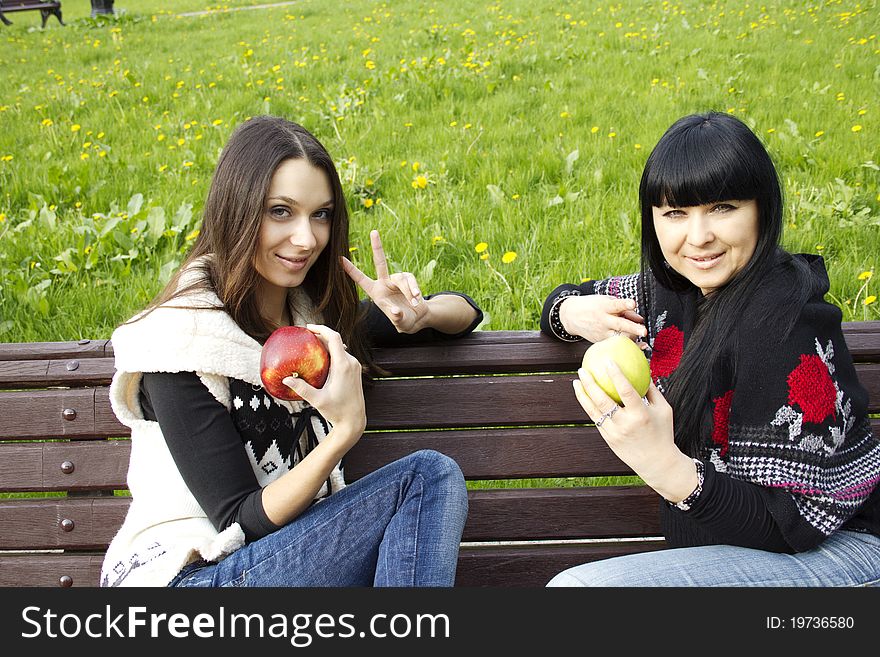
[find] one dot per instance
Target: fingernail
(415, 302)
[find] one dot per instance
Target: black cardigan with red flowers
(789, 452)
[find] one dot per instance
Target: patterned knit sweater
(789, 452)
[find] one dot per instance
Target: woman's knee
(434, 465)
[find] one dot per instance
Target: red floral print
(666, 354)
(721, 417)
(811, 389)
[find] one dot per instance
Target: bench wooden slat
(54, 350)
(41, 413)
(394, 404)
(48, 569)
(534, 565)
(478, 566)
(72, 372)
(36, 523)
(483, 454)
(498, 514)
(64, 466)
(489, 352)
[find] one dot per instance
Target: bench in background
(47, 8)
(498, 402)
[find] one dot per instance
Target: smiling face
(707, 244)
(295, 228)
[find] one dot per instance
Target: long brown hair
(230, 229)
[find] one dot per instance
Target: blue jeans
(398, 526)
(845, 558)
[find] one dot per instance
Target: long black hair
(703, 159)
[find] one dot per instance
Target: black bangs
(697, 164)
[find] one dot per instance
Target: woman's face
(296, 223)
(708, 244)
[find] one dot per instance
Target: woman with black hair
(754, 430)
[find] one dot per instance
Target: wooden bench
(499, 402)
(47, 8)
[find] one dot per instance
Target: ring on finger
(606, 416)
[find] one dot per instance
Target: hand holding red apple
(340, 400)
(293, 351)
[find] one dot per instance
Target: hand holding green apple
(628, 357)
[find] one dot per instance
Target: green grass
(529, 123)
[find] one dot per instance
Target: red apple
(293, 350)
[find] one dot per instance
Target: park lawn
(514, 125)
(497, 146)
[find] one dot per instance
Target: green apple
(629, 358)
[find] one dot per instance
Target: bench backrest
(22, 5)
(498, 402)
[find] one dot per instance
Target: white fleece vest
(166, 528)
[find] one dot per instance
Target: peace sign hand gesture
(396, 295)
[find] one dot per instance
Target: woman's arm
(454, 309)
(594, 310)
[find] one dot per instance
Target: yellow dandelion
(869, 300)
(181, 141)
(420, 182)
(484, 256)
(2, 217)
(594, 129)
(352, 249)
(866, 275)
(856, 128)
(564, 115)
(194, 234)
(453, 124)
(437, 239)
(820, 133)
(84, 156)
(368, 202)
(6, 158)
(508, 257)
(76, 127)
(217, 122)
(47, 122)
(584, 280)
(612, 135)
(163, 167)
(482, 246)
(187, 163)
(415, 166)
(820, 247)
